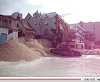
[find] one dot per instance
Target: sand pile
(45, 43)
(39, 45)
(15, 50)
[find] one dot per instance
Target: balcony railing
(5, 25)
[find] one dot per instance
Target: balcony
(5, 25)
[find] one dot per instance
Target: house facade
(46, 25)
(43, 24)
(26, 28)
(8, 28)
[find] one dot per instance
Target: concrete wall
(3, 30)
(15, 34)
(12, 35)
(9, 36)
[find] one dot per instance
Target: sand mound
(45, 43)
(34, 44)
(15, 50)
(39, 45)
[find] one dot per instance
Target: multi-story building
(42, 23)
(84, 36)
(45, 24)
(78, 34)
(93, 27)
(8, 28)
(48, 25)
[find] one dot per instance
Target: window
(29, 18)
(53, 30)
(46, 31)
(17, 25)
(34, 31)
(55, 23)
(0, 19)
(18, 17)
(3, 34)
(39, 24)
(10, 31)
(46, 16)
(46, 23)
(9, 21)
(35, 23)
(4, 20)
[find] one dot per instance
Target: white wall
(15, 35)
(3, 30)
(9, 36)
(12, 35)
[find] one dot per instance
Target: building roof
(28, 16)
(7, 16)
(25, 25)
(52, 14)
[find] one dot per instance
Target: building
(78, 35)
(89, 40)
(93, 27)
(42, 23)
(17, 15)
(46, 24)
(26, 28)
(8, 28)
